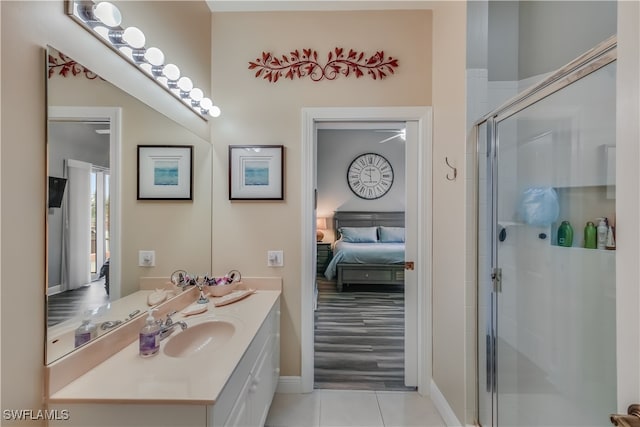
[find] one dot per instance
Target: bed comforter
(364, 253)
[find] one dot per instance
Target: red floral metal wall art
(298, 64)
(66, 66)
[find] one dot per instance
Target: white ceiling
(306, 5)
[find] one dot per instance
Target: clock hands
(369, 172)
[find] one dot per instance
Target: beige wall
(26, 28)
(449, 140)
(258, 112)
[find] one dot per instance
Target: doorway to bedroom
(359, 318)
(366, 325)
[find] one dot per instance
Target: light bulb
(102, 31)
(185, 84)
(127, 51)
(154, 56)
(146, 67)
(133, 37)
(171, 72)
(214, 111)
(108, 14)
(206, 104)
(196, 94)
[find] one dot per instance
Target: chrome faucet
(167, 327)
(110, 324)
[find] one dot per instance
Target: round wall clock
(370, 176)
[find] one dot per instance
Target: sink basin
(203, 336)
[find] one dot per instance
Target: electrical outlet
(275, 258)
(146, 258)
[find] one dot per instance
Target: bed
(371, 252)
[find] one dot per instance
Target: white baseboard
(289, 385)
(443, 407)
(54, 290)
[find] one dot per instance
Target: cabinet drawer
(364, 275)
(323, 258)
(324, 250)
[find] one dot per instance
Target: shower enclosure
(546, 304)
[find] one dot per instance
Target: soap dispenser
(86, 331)
(150, 335)
(602, 233)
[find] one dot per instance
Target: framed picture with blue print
(256, 172)
(165, 172)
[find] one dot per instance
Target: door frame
(423, 117)
(114, 116)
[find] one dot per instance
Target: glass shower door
(554, 320)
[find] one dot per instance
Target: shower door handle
(496, 278)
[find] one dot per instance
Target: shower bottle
(565, 234)
(590, 239)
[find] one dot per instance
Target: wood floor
(359, 337)
(65, 305)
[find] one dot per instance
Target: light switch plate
(146, 258)
(275, 258)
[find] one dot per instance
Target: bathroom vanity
(223, 371)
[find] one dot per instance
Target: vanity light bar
(103, 19)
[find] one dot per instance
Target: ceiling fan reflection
(399, 133)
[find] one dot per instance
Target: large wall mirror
(93, 129)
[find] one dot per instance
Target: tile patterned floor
(340, 408)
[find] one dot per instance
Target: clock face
(370, 176)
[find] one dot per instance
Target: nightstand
(323, 258)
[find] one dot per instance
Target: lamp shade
(321, 224)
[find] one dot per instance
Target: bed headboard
(366, 219)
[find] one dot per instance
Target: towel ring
(455, 170)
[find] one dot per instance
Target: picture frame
(165, 172)
(256, 172)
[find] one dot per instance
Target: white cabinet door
(261, 390)
(240, 415)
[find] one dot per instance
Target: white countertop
(197, 379)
